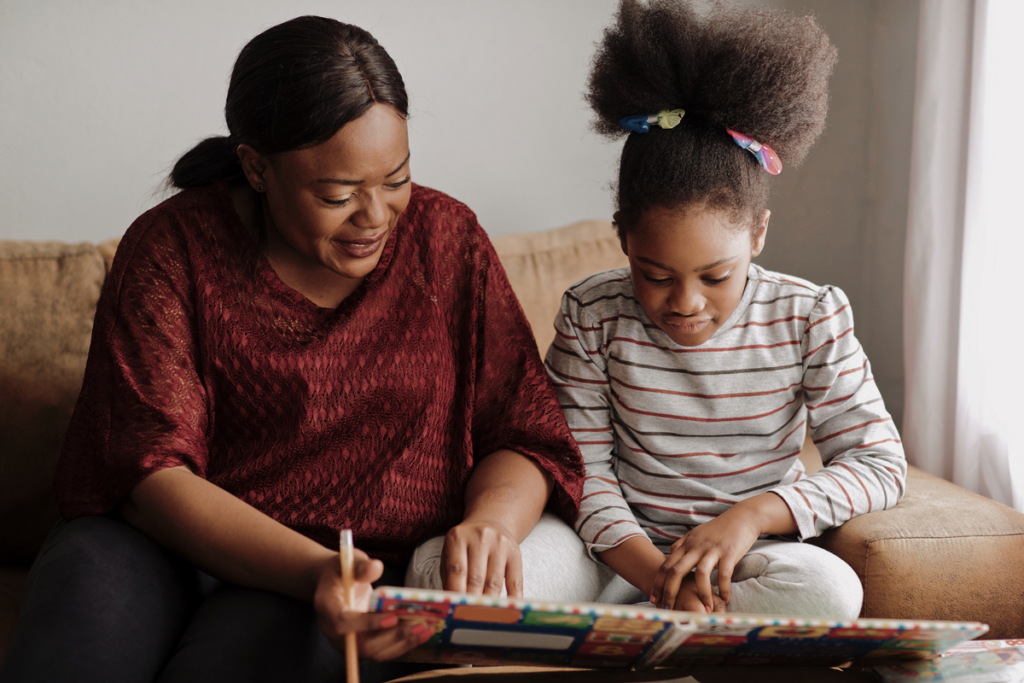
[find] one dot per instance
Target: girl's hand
(720, 543)
(381, 636)
(480, 557)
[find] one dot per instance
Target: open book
(471, 629)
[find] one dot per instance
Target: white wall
(97, 100)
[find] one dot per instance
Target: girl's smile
(689, 267)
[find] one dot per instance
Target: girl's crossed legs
(774, 577)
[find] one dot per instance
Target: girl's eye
(395, 186)
(657, 280)
(716, 281)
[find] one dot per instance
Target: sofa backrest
(48, 292)
(48, 295)
(542, 265)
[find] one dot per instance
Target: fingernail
(388, 621)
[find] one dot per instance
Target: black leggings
(104, 602)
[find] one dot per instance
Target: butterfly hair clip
(765, 155)
(667, 118)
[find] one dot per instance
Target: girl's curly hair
(756, 70)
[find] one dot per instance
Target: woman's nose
(372, 212)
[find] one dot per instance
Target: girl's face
(689, 268)
(333, 206)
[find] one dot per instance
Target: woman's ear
(254, 166)
(760, 232)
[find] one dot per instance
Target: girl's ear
(760, 232)
(622, 235)
(254, 166)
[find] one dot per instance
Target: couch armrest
(943, 553)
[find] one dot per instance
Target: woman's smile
(363, 247)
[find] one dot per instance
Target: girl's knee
(799, 580)
(833, 589)
(424, 570)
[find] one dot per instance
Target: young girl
(690, 378)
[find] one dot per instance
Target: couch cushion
(943, 553)
(49, 292)
(542, 265)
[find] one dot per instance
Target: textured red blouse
(369, 416)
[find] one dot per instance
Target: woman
(298, 342)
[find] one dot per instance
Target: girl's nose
(686, 300)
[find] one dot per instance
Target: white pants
(774, 577)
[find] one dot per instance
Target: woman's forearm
(225, 536)
(509, 489)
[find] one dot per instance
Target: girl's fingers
(702, 579)
(675, 567)
(725, 580)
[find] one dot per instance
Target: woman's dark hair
(756, 70)
(294, 86)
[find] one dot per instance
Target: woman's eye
(339, 202)
(395, 186)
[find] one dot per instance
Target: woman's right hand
(381, 636)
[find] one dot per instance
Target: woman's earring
(260, 187)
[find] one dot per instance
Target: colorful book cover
(471, 629)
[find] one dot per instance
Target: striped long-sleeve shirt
(672, 436)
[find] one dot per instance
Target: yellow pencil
(347, 580)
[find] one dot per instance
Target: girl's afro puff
(755, 70)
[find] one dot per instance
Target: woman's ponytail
(212, 159)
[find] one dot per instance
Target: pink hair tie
(765, 155)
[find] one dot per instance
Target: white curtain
(963, 303)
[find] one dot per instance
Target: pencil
(347, 580)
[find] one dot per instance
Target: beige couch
(943, 553)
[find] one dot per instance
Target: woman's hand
(381, 636)
(480, 556)
(720, 543)
(505, 497)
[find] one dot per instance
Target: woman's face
(689, 268)
(334, 206)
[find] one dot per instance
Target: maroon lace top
(369, 416)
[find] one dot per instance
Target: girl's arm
(505, 497)
(719, 544)
(579, 373)
(863, 456)
(234, 541)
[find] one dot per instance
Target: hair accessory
(765, 155)
(667, 118)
